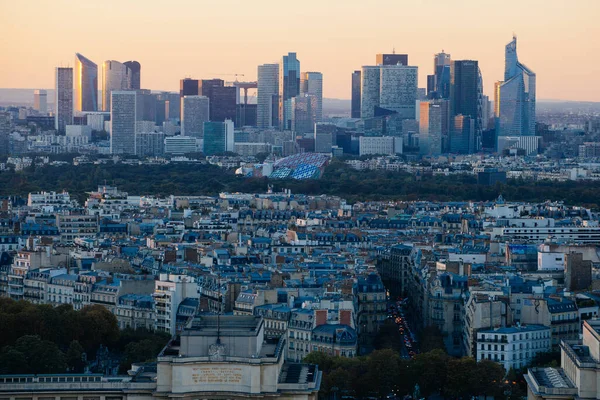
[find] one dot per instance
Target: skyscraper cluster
(449, 116)
(456, 112)
(287, 98)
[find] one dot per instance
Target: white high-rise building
(311, 84)
(267, 96)
(398, 89)
(63, 101)
(115, 76)
(123, 114)
(40, 101)
(194, 113)
(390, 87)
(369, 91)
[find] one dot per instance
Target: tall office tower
(218, 137)
(356, 82)
(40, 100)
(369, 91)
(462, 135)
(195, 111)
(63, 98)
(324, 137)
(86, 84)
(135, 69)
(304, 113)
(115, 76)
(267, 110)
(517, 96)
(431, 89)
(398, 89)
(222, 99)
(389, 89)
(466, 93)
(431, 121)
(391, 59)
(441, 72)
(5, 129)
(497, 86)
(123, 119)
(311, 84)
(289, 86)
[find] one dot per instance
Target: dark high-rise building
(188, 87)
(222, 99)
(465, 93)
(461, 135)
(246, 115)
(135, 70)
(391, 59)
(160, 114)
(172, 104)
(431, 90)
(355, 112)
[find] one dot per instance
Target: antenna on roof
(394, 50)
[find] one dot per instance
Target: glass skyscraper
(516, 96)
(289, 86)
(86, 84)
(466, 94)
(136, 71)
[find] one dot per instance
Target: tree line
(338, 179)
(37, 339)
(384, 373)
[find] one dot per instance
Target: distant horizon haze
(205, 40)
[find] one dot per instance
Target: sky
(557, 39)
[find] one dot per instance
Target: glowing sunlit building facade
(516, 97)
(86, 84)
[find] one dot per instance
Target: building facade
(123, 116)
(289, 87)
(86, 84)
(195, 111)
(516, 102)
(63, 98)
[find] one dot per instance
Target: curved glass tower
(86, 84)
(516, 102)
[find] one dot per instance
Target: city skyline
(334, 49)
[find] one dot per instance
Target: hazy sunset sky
(172, 39)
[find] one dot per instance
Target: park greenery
(338, 179)
(38, 339)
(384, 372)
